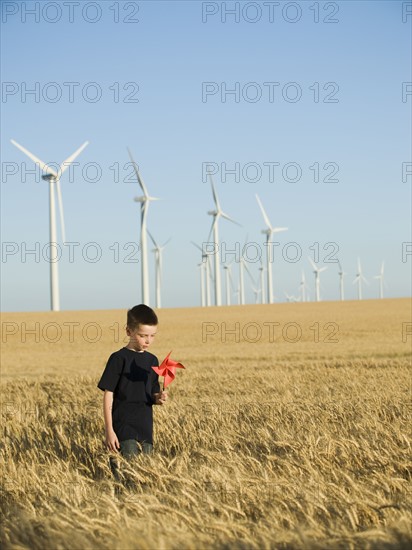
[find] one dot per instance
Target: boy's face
(142, 336)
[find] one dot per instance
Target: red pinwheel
(168, 370)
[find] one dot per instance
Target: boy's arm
(158, 397)
(111, 438)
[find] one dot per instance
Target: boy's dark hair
(141, 315)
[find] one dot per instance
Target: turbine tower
(216, 215)
(202, 284)
(341, 276)
(380, 277)
(316, 271)
(358, 279)
(204, 275)
(158, 268)
(262, 283)
(269, 232)
(53, 177)
(229, 282)
(303, 286)
(144, 206)
(242, 267)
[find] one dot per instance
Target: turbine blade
(315, 267)
(211, 228)
(152, 238)
(322, 269)
(265, 217)
(229, 218)
(231, 280)
(249, 273)
(60, 201)
(139, 179)
(197, 246)
(66, 163)
(215, 197)
(42, 165)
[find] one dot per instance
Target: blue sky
(351, 113)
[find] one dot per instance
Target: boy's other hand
(160, 398)
(111, 441)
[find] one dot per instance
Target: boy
(130, 388)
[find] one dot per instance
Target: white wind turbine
(205, 276)
(341, 276)
(216, 215)
(290, 297)
(237, 294)
(158, 268)
(242, 267)
(144, 205)
(254, 283)
(53, 177)
(256, 292)
(380, 277)
(229, 283)
(202, 284)
(358, 279)
(316, 271)
(303, 287)
(269, 232)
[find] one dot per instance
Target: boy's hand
(111, 441)
(160, 398)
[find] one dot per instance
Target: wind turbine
(341, 275)
(358, 279)
(229, 282)
(144, 206)
(158, 265)
(316, 271)
(237, 293)
(242, 267)
(269, 232)
(303, 286)
(204, 275)
(256, 292)
(216, 215)
(202, 285)
(289, 298)
(380, 277)
(53, 177)
(254, 283)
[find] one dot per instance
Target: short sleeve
(112, 373)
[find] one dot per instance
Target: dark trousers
(129, 449)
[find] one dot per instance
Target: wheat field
(289, 428)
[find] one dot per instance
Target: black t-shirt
(129, 375)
